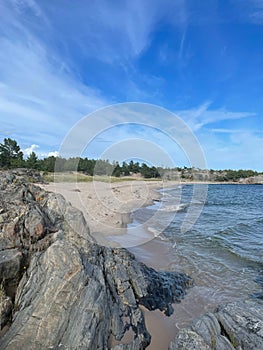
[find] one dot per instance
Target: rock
(243, 323)
(210, 330)
(10, 262)
(34, 224)
(5, 308)
(188, 339)
(257, 180)
(232, 326)
(21, 175)
(71, 292)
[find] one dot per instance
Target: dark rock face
(233, 326)
(70, 293)
(5, 308)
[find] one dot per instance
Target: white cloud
(27, 151)
(53, 154)
(37, 149)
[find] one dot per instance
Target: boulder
(232, 326)
(242, 322)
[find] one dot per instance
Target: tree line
(11, 156)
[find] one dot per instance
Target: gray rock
(189, 340)
(243, 323)
(210, 330)
(236, 325)
(73, 293)
(5, 308)
(10, 262)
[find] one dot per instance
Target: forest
(11, 156)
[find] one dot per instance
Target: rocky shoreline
(70, 292)
(61, 290)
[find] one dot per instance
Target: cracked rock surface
(232, 326)
(61, 290)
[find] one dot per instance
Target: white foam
(154, 231)
(175, 208)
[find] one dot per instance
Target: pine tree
(32, 161)
(10, 154)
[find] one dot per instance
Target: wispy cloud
(202, 116)
(113, 32)
(38, 99)
(227, 141)
(240, 149)
(42, 93)
(59, 63)
(255, 11)
(249, 11)
(109, 31)
(227, 131)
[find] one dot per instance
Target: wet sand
(198, 300)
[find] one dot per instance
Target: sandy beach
(107, 206)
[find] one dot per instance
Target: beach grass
(79, 177)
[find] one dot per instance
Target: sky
(202, 61)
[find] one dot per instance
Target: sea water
(214, 233)
(222, 250)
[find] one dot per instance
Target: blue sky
(202, 60)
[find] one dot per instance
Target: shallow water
(223, 250)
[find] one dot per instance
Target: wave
(238, 248)
(156, 233)
(175, 208)
(228, 243)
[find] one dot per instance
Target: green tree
(32, 161)
(136, 167)
(131, 166)
(48, 164)
(125, 169)
(148, 172)
(117, 170)
(10, 154)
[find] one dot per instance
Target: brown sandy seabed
(107, 208)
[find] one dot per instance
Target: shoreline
(130, 196)
(114, 208)
(107, 206)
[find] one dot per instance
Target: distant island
(11, 157)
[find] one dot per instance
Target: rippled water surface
(223, 251)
